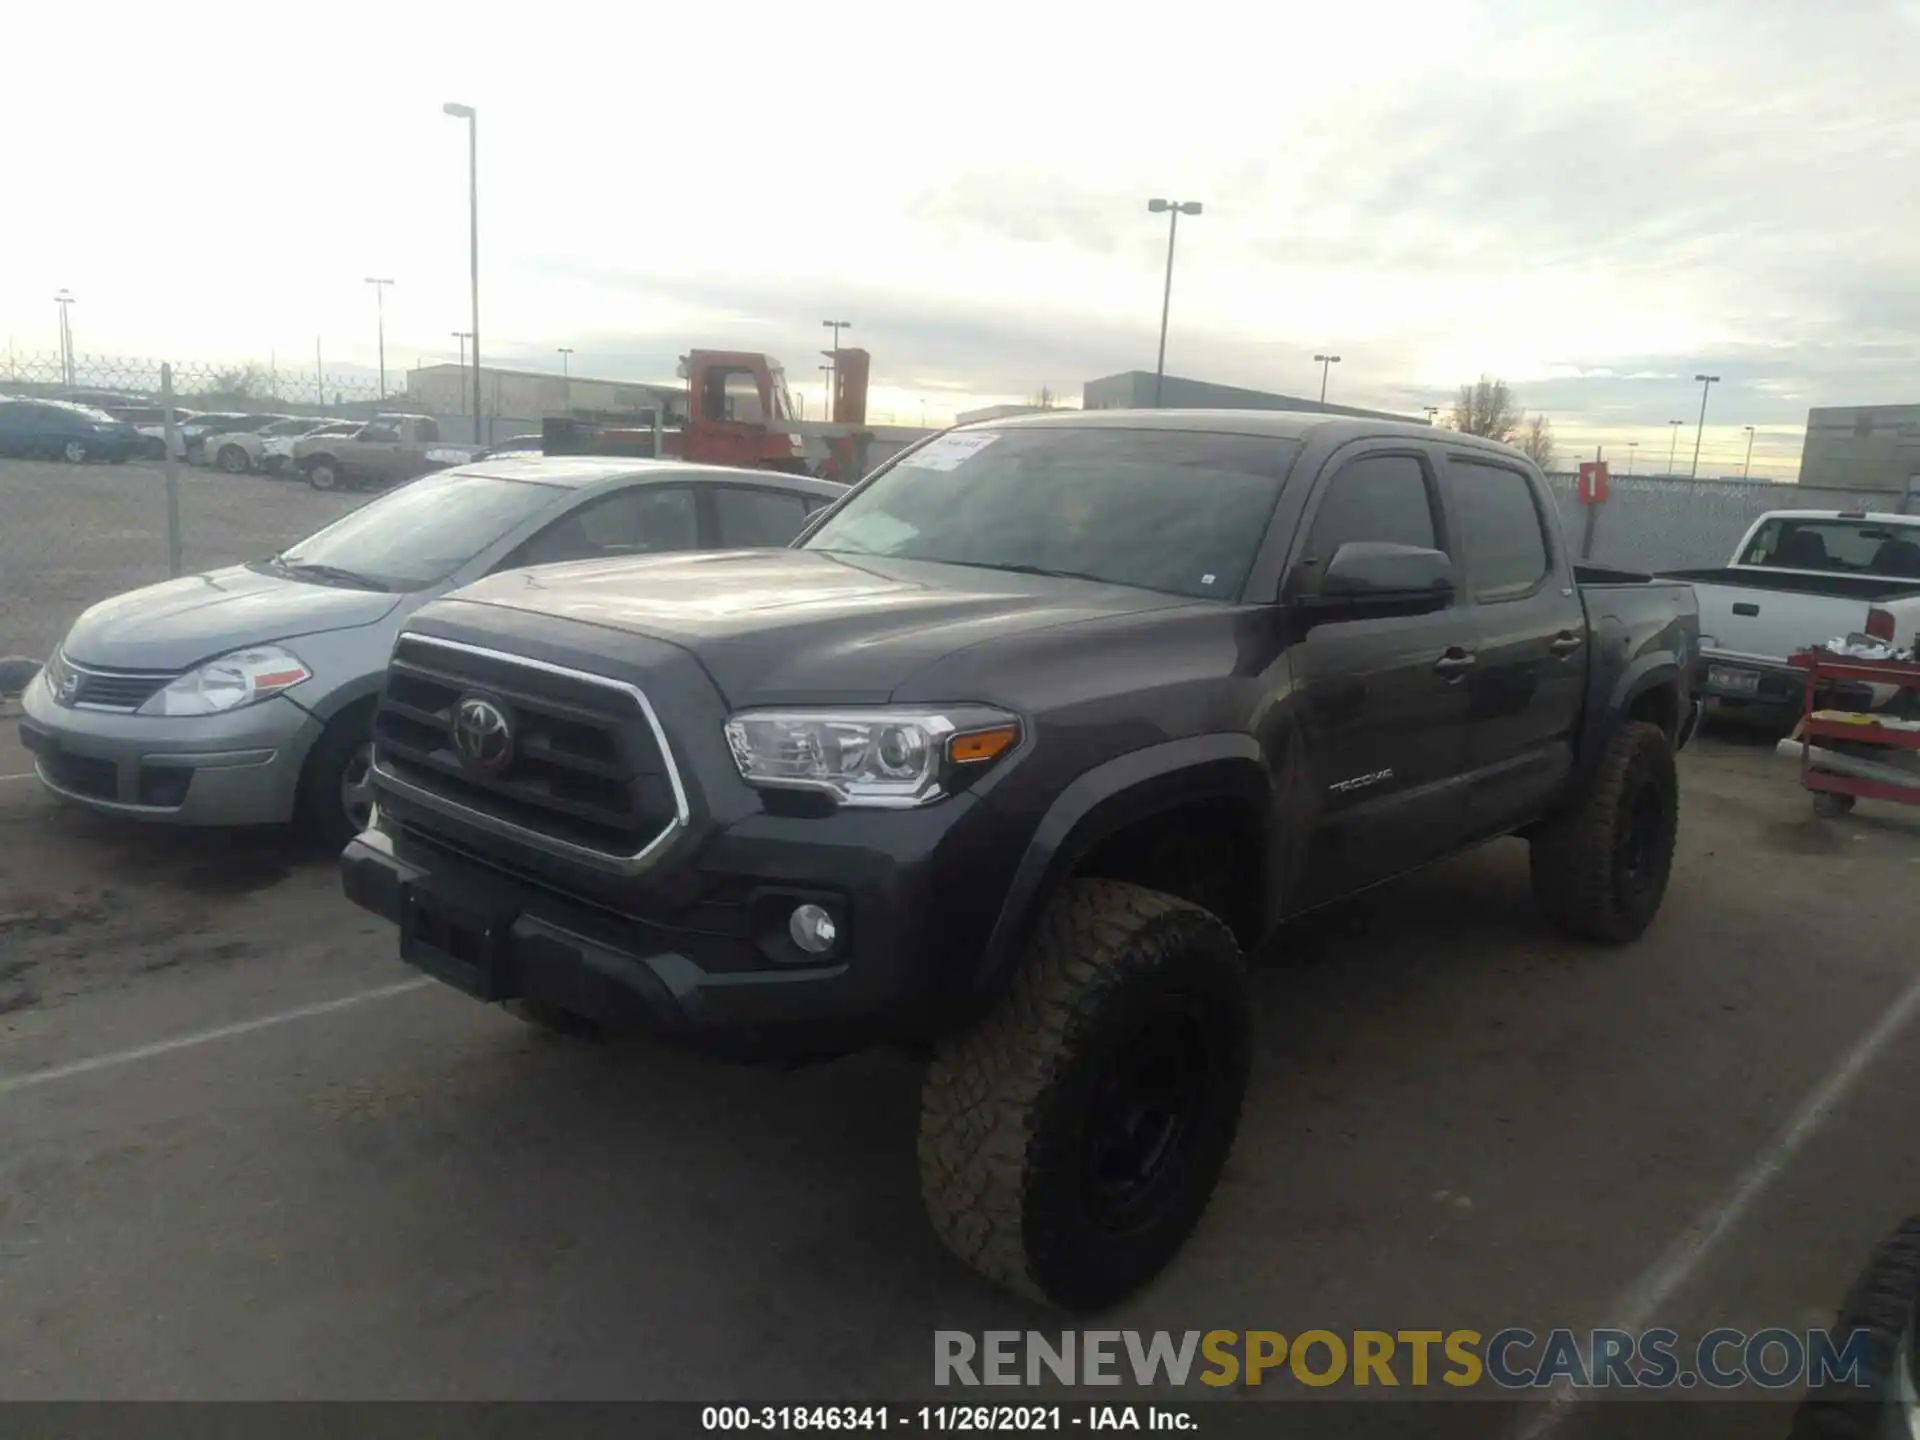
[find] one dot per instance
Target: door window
(1378, 498)
(749, 518)
(1501, 529)
(641, 520)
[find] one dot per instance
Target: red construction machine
(739, 412)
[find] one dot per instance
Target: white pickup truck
(1800, 577)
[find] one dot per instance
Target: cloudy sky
(1595, 201)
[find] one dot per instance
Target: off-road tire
(1583, 877)
(1006, 1105)
(554, 1019)
(1884, 1304)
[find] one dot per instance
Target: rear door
(1385, 709)
(1528, 681)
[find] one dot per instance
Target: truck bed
(1870, 589)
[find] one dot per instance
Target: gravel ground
(71, 535)
(1458, 1120)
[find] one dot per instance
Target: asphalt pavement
(246, 1154)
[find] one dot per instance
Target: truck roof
(1878, 516)
(1280, 424)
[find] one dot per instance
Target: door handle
(1566, 642)
(1454, 663)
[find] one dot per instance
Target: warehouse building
(1134, 390)
(532, 395)
(1862, 447)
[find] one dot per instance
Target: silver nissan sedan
(245, 695)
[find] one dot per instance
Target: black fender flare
(1645, 673)
(1097, 805)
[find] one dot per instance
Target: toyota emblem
(482, 734)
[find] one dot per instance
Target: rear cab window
(1836, 545)
(1503, 535)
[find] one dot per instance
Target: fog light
(812, 929)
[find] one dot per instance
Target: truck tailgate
(1737, 620)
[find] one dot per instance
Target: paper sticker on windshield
(949, 452)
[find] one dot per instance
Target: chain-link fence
(72, 534)
(1668, 523)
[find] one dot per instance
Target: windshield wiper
(308, 568)
(1039, 570)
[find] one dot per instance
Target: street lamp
(1174, 209)
(466, 113)
(1327, 362)
(566, 368)
(380, 309)
(1632, 445)
(1673, 433)
(1707, 382)
(1433, 413)
(1744, 469)
(63, 300)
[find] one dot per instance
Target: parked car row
(63, 430)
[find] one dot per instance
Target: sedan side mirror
(1379, 577)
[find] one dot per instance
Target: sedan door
(1385, 698)
(1528, 682)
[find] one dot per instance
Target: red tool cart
(1834, 794)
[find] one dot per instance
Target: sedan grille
(98, 689)
(586, 769)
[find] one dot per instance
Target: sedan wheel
(323, 477)
(75, 452)
(234, 460)
(356, 788)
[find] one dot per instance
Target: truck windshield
(418, 535)
(1176, 511)
(1836, 546)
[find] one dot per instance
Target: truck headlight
(879, 758)
(230, 681)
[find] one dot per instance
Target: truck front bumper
(722, 970)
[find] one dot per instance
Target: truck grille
(587, 770)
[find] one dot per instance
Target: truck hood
(179, 623)
(804, 626)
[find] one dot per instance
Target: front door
(1385, 699)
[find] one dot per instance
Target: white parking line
(25, 775)
(11, 1083)
(1637, 1306)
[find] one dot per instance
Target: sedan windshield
(415, 537)
(1177, 511)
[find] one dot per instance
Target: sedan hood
(799, 626)
(177, 624)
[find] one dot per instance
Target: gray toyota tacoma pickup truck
(1009, 760)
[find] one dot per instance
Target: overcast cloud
(1593, 201)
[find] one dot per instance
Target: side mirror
(1384, 578)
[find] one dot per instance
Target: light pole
(1707, 382)
(566, 375)
(462, 336)
(466, 113)
(1433, 413)
(1174, 210)
(1746, 468)
(826, 402)
(63, 300)
(380, 310)
(1673, 433)
(1632, 446)
(1327, 362)
(836, 326)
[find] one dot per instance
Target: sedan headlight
(229, 682)
(878, 758)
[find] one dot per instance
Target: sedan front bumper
(241, 768)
